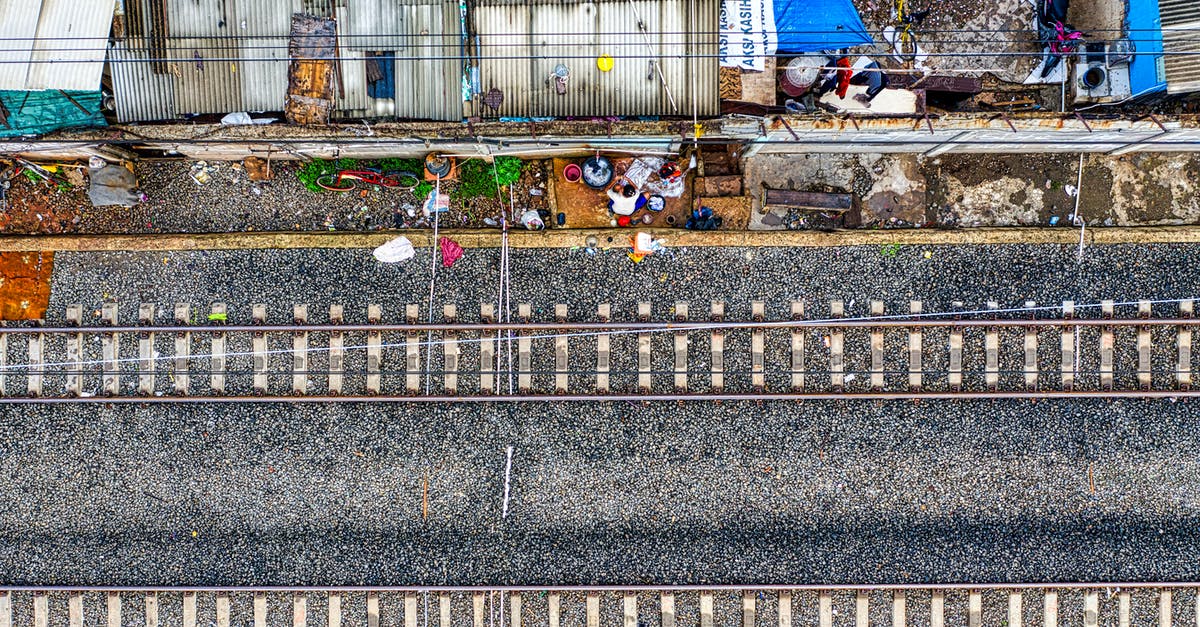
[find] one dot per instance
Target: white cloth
(622, 205)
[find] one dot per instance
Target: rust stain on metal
(25, 284)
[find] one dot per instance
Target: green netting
(38, 112)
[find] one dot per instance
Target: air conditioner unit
(1102, 72)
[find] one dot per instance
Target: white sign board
(748, 34)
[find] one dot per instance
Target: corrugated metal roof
(53, 44)
(255, 34)
(1180, 21)
(249, 37)
(520, 43)
(425, 37)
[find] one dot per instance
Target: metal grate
(1180, 19)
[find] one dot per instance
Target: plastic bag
(395, 251)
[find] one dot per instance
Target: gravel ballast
(616, 493)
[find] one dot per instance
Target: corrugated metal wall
(425, 37)
(1180, 22)
(68, 52)
(520, 43)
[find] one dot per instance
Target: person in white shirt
(624, 198)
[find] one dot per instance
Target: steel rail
(1072, 585)
(558, 398)
(649, 326)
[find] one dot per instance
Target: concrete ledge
(567, 238)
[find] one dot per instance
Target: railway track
(1109, 350)
(1089, 605)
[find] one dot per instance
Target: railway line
(1084, 604)
(1105, 350)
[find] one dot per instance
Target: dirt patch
(898, 196)
(47, 207)
(25, 285)
(1009, 190)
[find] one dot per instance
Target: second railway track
(1109, 350)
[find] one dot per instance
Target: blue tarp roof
(38, 112)
(1146, 74)
(814, 25)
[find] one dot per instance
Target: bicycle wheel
(330, 182)
(403, 179)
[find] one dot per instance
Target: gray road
(819, 492)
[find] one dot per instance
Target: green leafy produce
(422, 190)
(476, 178)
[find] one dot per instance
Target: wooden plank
(553, 608)
(748, 608)
(412, 351)
(645, 383)
(6, 609)
(1031, 352)
(785, 608)
(837, 344)
(334, 600)
(374, 350)
(146, 361)
(562, 366)
(807, 201)
(991, 347)
(1124, 603)
(110, 349)
(758, 339)
(877, 348)
(1144, 373)
(1106, 347)
(180, 379)
(1015, 615)
(299, 610)
(74, 352)
(706, 609)
(410, 609)
(1068, 347)
(1091, 608)
(667, 603)
(899, 608)
(260, 609)
(151, 609)
(37, 363)
(189, 609)
(337, 352)
(514, 606)
(974, 609)
(603, 346)
(681, 349)
(954, 367)
(937, 609)
(450, 350)
(862, 609)
(372, 609)
(258, 348)
(217, 355)
(75, 610)
(477, 600)
(916, 345)
(798, 334)
(113, 606)
(300, 351)
(524, 350)
(223, 607)
(488, 366)
(1183, 347)
(593, 609)
(825, 609)
(41, 609)
(1164, 608)
(630, 609)
(1050, 609)
(717, 348)
(444, 618)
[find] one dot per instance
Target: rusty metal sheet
(313, 51)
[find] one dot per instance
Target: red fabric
(843, 77)
(451, 251)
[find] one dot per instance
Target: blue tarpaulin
(38, 112)
(815, 25)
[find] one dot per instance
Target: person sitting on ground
(624, 198)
